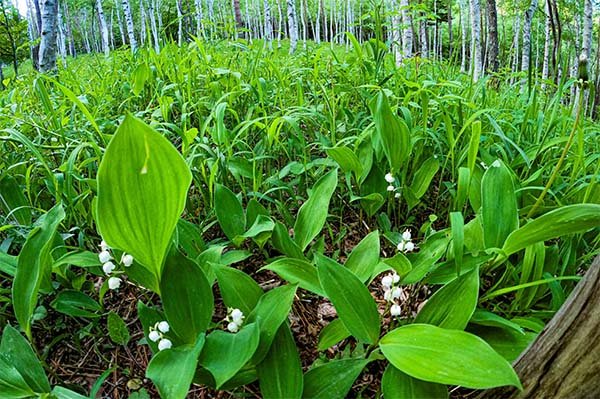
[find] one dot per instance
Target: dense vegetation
(335, 222)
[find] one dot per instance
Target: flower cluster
(157, 334)
(234, 319)
(109, 267)
(405, 244)
(391, 292)
(390, 179)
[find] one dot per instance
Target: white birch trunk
(179, 22)
(280, 23)
(303, 21)
(153, 27)
(423, 35)
(61, 39)
(199, 17)
(103, 28)
(120, 23)
(268, 23)
(407, 34)
(464, 20)
(143, 30)
(477, 53)
(525, 58)
(292, 25)
(47, 54)
(129, 25)
(318, 23)
(396, 33)
(546, 61)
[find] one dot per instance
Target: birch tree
(268, 24)
(129, 25)
(199, 17)
(547, 37)
(103, 27)
(120, 23)
(153, 28)
(47, 55)
(492, 36)
(407, 34)
(292, 25)
(463, 15)
(525, 59)
(477, 51)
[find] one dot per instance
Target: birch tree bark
(143, 30)
(423, 34)
(103, 28)
(153, 27)
(407, 33)
(525, 59)
(129, 25)
(292, 25)
(586, 43)
(268, 23)
(199, 17)
(477, 53)
(237, 12)
(546, 60)
(120, 23)
(396, 31)
(463, 35)
(179, 22)
(47, 55)
(280, 23)
(61, 41)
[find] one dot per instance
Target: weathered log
(564, 360)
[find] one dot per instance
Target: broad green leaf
(364, 257)
(140, 75)
(352, 300)
(474, 145)
(423, 176)
(12, 384)
(237, 288)
(260, 231)
(297, 271)
(79, 258)
(282, 242)
(76, 304)
(331, 334)
(8, 264)
(498, 205)
(444, 356)
(452, 305)
(392, 130)
(280, 373)
(347, 159)
(333, 379)
(229, 211)
(172, 370)
(187, 297)
(446, 271)
(398, 263)
(34, 264)
(485, 318)
(458, 238)
(397, 385)
(271, 311)
(13, 201)
(507, 342)
(17, 352)
(117, 329)
(149, 317)
(142, 187)
(313, 213)
(64, 393)
(424, 261)
(225, 353)
(568, 219)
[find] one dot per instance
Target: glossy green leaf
(282, 242)
(423, 176)
(424, 261)
(452, 305)
(397, 385)
(8, 264)
(271, 311)
(117, 329)
(149, 316)
(457, 224)
(172, 370)
(17, 352)
(12, 384)
(568, 219)
(142, 187)
(331, 334)
(229, 211)
(187, 297)
(498, 205)
(76, 304)
(313, 213)
(392, 131)
(444, 356)
(225, 353)
(237, 288)
(333, 379)
(364, 257)
(297, 271)
(486, 318)
(64, 393)
(280, 373)
(507, 342)
(34, 264)
(352, 300)
(347, 159)
(13, 201)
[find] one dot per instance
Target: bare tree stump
(564, 360)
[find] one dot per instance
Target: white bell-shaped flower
(104, 246)
(387, 295)
(104, 256)
(114, 283)
(406, 236)
(164, 344)
(409, 247)
(401, 246)
(233, 327)
(163, 327)
(395, 278)
(395, 310)
(154, 335)
(396, 292)
(397, 195)
(387, 281)
(391, 188)
(126, 260)
(237, 316)
(389, 178)
(108, 267)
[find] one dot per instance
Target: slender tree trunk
(423, 34)
(48, 43)
(546, 61)
(103, 27)
(11, 39)
(463, 35)
(120, 23)
(586, 47)
(525, 59)
(318, 22)
(129, 25)
(407, 33)
(238, 17)
(477, 53)
(303, 22)
(492, 44)
(179, 22)
(396, 33)
(61, 41)
(516, 43)
(69, 31)
(450, 32)
(292, 25)
(199, 17)
(143, 30)
(268, 23)
(153, 27)
(564, 360)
